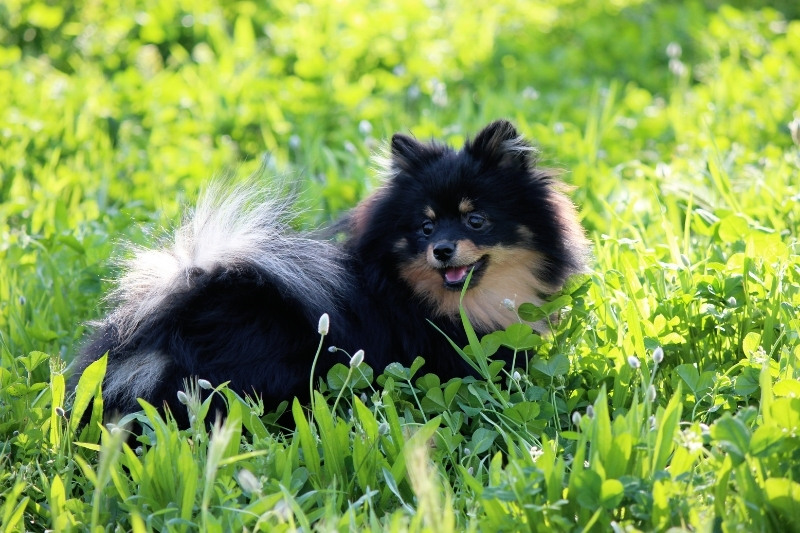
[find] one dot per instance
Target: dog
(237, 296)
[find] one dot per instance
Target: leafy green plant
(665, 395)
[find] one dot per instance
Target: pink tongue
(455, 274)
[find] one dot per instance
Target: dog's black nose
(443, 251)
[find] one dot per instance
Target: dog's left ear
(500, 144)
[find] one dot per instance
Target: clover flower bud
(634, 362)
(576, 418)
(357, 358)
(183, 398)
(509, 304)
(60, 412)
(651, 394)
(590, 411)
(324, 324)
(658, 355)
(204, 384)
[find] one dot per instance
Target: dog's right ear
(405, 152)
(408, 154)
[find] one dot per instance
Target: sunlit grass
(667, 395)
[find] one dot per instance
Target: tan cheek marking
(425, 281)
(511, 273)
(467, 252)
(466, 206)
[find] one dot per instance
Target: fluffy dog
(237, 296)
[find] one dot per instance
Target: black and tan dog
(237, 296)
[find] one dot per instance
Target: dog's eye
(476, 221)
(427, 227)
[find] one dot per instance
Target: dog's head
(485, 210)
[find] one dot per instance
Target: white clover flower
(365, 127)
(576, 418)
(690, 440)
(529, 93)
(205, 384)
(183, 398)
(357, 358)
(248, 481)
(516, 376)
(677, 67)
(536, 452)
(634, 362)
(467, 451)
(674, 50)
(324, 324)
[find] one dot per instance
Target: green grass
(674, 123)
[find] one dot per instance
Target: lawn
(666, 398)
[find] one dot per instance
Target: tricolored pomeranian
(238, 296)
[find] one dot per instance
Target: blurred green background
(676, 122)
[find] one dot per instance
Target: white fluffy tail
(238, 226)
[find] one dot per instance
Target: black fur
(242, 319)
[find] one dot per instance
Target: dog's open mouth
(454, 277)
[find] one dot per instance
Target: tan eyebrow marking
(466, 206)
(429, 212)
